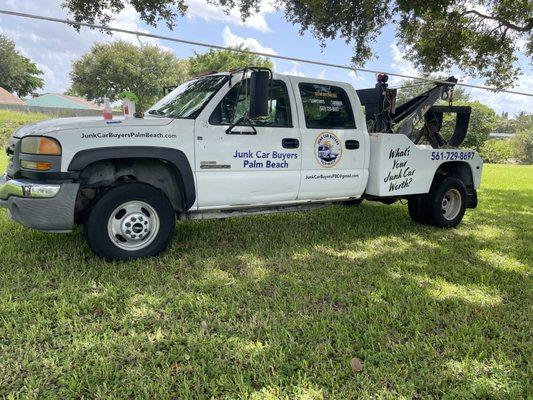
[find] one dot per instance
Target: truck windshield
(188, 99)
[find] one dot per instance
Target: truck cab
(224, 144)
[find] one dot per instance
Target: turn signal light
(36, 165)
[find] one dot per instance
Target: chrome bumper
(20, 188)
(42, 206)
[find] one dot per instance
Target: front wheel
(130, 221)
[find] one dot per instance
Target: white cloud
(322, 74)
(128, 19)
(233, 40)
(295, 70)
(512, 103)
(355, 76)
(209, 12)
(400, 65)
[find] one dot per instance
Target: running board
(211, 214)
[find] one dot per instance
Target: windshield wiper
(156, 112)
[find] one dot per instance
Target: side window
(236, 103)
(326, 107)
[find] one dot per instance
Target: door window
(326, 107)
(236, 104)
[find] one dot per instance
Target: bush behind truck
(238, 143)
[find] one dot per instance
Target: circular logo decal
(328, 149)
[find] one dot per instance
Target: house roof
(8, 98)
(62, 101)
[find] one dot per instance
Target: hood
(62, 124)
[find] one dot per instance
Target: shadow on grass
(277, 306)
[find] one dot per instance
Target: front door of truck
(333, 146)
(247, 165)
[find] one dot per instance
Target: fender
(175, 157)
(458, 169)
(463, 171)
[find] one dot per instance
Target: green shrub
(497, 151)
(11, 120)
(523, 146)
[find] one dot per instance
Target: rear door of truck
(333, 145)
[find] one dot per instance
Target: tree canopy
(481, 37)
(17, 73)
(112, 69)
(224, 60)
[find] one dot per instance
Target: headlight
(40, 145)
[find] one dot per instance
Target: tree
(483, 121)
(225, 60)
(481, 37)
(523, 142)
(17, 73)
(110, 69)
(521, 122)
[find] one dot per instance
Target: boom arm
(382, 115)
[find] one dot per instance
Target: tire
(417, 206)
(130, 221)
(353, 203)
(447, 203)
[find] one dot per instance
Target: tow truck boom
(384, 116)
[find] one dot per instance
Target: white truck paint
(286, 162)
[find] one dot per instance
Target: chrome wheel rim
(451, 204)
(133, 225)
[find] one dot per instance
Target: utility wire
(280, 57)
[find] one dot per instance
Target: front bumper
(43, 206)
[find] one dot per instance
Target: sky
(55, 46)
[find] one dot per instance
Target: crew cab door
(334, 140)
(248, 165)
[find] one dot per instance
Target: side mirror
(260, 83)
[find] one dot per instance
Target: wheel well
(456, 169)
(103, 174)
(460, 170)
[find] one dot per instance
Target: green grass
(11, 120)
(277, 306)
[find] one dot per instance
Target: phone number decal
(452, 155)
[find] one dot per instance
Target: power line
(280, 57)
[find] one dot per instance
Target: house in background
(62, 101)
(8, 98)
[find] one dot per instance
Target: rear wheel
(447, 203)
(354, 202)
(417, 206)
(130, 221)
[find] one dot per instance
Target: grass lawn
(277, 306)
(10, 120)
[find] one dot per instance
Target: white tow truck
(242, 142)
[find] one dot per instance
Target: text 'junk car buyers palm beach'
(261, 159)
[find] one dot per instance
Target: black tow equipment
(383, 115)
